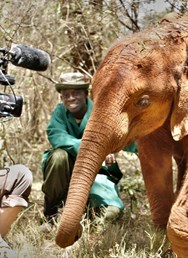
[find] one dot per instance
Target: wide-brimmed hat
(73, 80)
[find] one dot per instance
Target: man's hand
(110, 159)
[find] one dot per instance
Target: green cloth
(104, 192)
(63, 130)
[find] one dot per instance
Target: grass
(132, 236)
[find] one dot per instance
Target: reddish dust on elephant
(140, 94)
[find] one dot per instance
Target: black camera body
(10, 104)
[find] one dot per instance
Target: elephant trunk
(94, 148)
(177, 228)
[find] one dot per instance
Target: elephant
(140, 93)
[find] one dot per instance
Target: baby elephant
(140, 94)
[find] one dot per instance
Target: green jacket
(63, 130)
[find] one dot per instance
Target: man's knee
(59, 156)
(18, 186)
(24, 173)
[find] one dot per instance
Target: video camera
(10, 104)
(23, 56)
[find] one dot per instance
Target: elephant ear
(179, 116)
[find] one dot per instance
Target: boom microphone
(29, 57)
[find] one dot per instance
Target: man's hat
(75, 80)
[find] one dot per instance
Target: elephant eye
(143, 101)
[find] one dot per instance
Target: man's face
(74, 99)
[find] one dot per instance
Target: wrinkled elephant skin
(140, 93)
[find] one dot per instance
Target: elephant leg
(181, 166)
(181, 158)
(177, 228)
(155, 154)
